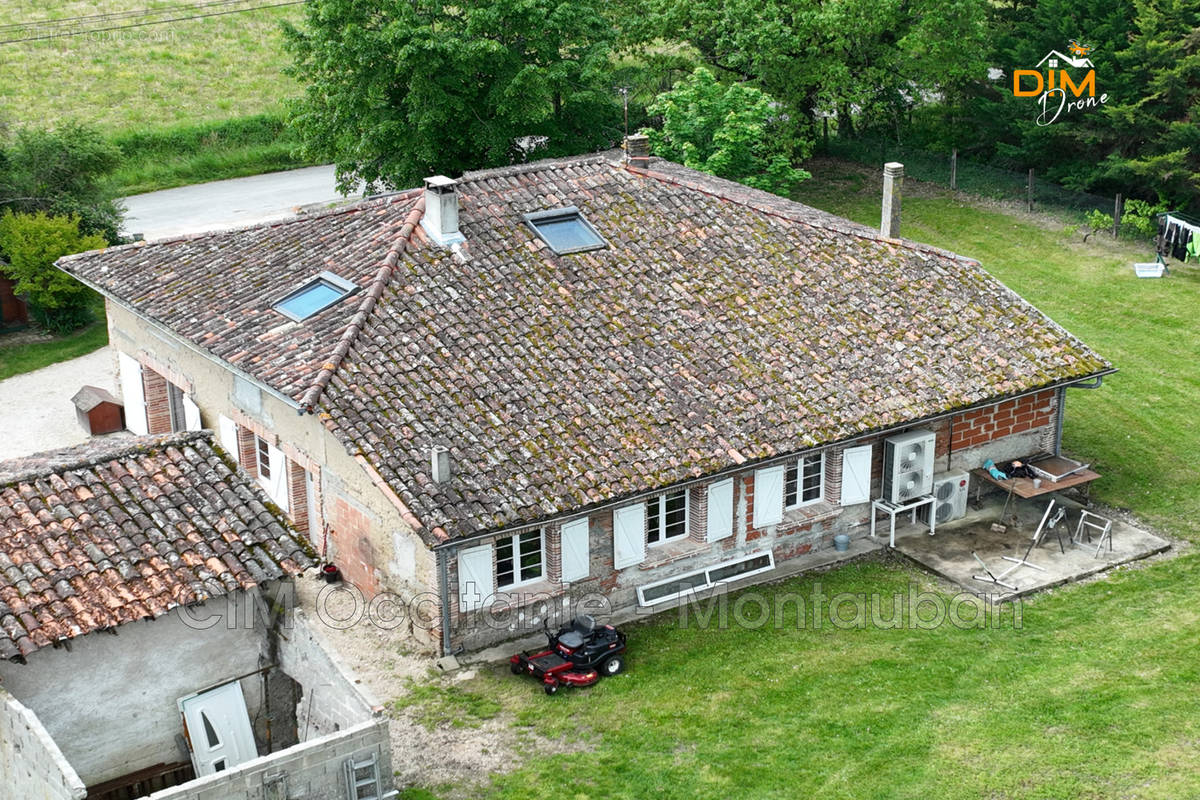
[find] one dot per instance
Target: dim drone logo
(1051, 87)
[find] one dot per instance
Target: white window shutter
(575, 550)
(191, 414)
(227, 430)
(276, 485)
(476, 581)
(856, 475)
(133, 394)
(720, 510)
(629, 535)
(768, 496)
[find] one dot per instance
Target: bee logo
(1079, 50)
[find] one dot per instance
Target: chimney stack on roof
(441, 211)
(637, 150)
(893, 180)
(439, 464)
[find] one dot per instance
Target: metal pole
(954, 168)
(1118, 207)
(1029, 191)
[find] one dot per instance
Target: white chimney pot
(441, 211)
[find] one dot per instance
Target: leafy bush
(731, 131)
(61, 172)
(31, 243)
(1141, 217)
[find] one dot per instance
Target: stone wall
(31, 765)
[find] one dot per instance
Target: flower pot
(331, 573)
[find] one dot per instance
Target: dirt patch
(440, 737)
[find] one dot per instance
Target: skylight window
(315, 296)
(565, 230)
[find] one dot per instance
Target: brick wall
(298, 496)
(247, 452)
(30, 762)
(158, 405)
(350, 545)
(1005, 419)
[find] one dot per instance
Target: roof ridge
(81, 457)
(540, 165)
(743, 195)
(350, 207)
(310, 397)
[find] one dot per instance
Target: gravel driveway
(36, 412)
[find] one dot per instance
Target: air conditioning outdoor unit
(908, 466)
(949, 497)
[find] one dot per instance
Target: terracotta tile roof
(118, 530)
(721, 325)
(217, 289)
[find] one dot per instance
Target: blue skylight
(315, 296)
(565, 230)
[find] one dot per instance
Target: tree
(62, 172)
(396, 90)
(31, 243)
(860, 58)
(733, 131)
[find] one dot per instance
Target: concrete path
(36, 412)
(230, 203)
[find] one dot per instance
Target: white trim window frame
(262, 458)
(804, 481)
(514, 556)
(667, 517)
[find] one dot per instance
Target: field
(156, 76)
(1094, 695)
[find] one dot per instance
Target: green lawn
(1094, 695)
(200, 70)
(18, 359)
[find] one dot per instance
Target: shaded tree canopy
(397, 90)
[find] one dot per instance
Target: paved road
(36, 411)
(229, 203)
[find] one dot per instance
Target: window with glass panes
(519, 559)
(803, 481)
(666, 517)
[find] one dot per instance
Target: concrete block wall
(312, 770)
(331, 697)
(31, 765)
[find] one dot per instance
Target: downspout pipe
(444, 597)
(1095, 383)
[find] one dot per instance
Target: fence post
(954, 168)
(1029, 191)
(1118, 207)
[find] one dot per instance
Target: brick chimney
(637, 150)
(441, 211)
(893, 180)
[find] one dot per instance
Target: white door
(218, 729)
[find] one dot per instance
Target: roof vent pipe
(440, 220)
(893, 180)
(439, 463)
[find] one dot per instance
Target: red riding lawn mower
(578, 655)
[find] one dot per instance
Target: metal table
(892, 509)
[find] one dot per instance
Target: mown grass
(1094, 695)
(19, 359)
(144, 78)
(1139, 429)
